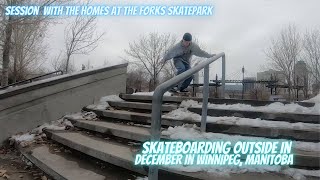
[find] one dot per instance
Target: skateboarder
(181, 54)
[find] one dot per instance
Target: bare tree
(7, 24)
(259, 92)
(6, 53)
(284, 52)
(28, 48)
(59, 64)
(149, 51)
(168, 71)
(311, 53)
(137, 78)
(81, 37)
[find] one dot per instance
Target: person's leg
(186, 82)
(180, 66)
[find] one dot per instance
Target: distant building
(301, 74)
(301, 78)
(233, 87)
(272, 75)
(233, 90)
(249, 83)
(315, 88)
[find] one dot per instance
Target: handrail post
(223, 78)
(205, 97)
(155, 128)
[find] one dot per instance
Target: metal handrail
(31, 79)
(164, 87)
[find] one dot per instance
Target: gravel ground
(13, 167)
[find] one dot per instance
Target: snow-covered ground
(276, 107)
(37, 133)
(103, 102)
(298, 174)
(83, 116)
(188, 132)
(191, 132)
(150, 93)
(142, 178)
(184, 114)
(315, 99)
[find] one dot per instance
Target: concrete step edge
(179, 99)
(297, 134)
(301, 158)
(143, 170)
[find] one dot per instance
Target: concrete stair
(311, 135)
(288, 117)
(179, 99)
(141, 134)
(116, 136)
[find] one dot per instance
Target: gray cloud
(240, 28)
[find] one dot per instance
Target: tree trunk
(6, 53)
(15, 60)
(154, 78)
(67, 65)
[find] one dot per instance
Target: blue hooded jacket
(178, 51)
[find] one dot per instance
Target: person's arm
(197, 51)
(171, 53)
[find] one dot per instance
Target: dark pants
(181, 67)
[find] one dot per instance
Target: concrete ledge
(179, 99)
(55, 80)
(34, 104)
(288, 117)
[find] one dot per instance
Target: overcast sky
(240, 28)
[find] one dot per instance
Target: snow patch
(55, 125)
(142, 178)
(150, 93)
(103, 102)
(276, 107)
(100, 106)
(184, 114)
(226, 171)
(190, 103)
(314, 173)
(192, 133)
(83, 116)
(37, 133)
(315, 99)
(24, 137)
(115, 98)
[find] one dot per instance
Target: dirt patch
(14, 167)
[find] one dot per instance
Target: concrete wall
(28, 106)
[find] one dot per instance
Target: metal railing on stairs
(164, 87)
(31, 79)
